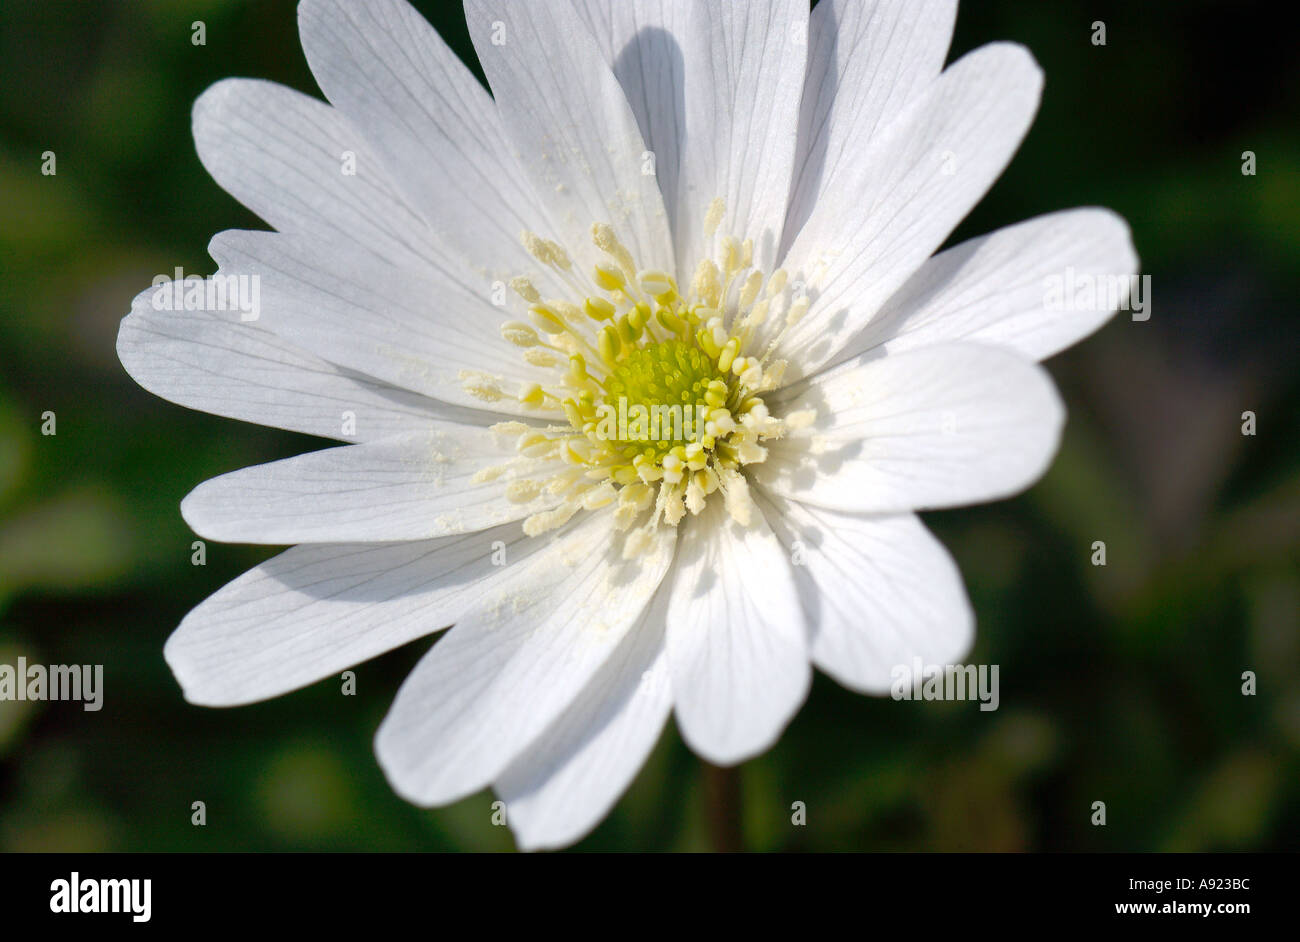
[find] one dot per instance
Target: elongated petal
(744, 73)
(937, 427)
(432, 335)
(867, 59)
(285, 156)
(569, 779)
(493, 684)
(431, 123)
(879, 591)
(411, 487)
(643, 42)
(1016, 288)
(736, 637)
(570, 126)
(203, 359)
(319, 608)
(881, 215)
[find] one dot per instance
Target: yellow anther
(519, 334)
(713, 218)
(524, 288)
(797, 310)
(598, 309)
(609, 345)
(521, 492)
(728, 354)
(600, 496)
(533, 396)
(639, 316)
(776, 284)
(704, 338)
(539, 357)
(694, 496)
(603, 235)
(731, 255)
(547, 318)
(670, 321)
(609, 277)
(749, 291)
(576, 450)
(628, 332)
(656, 283)
(757, 315)
(674, 509)
(511, 429)
(568, 312)
(545, 251)
(736, 494)
(533, 444)
(707, 283)
(481, 386)
(625, 474)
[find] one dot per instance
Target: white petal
(998, 289)
(879, 591)
(570, 126)
(282, 154)
(411, 487)
(736, 637)
(317, 609)
(431, 122)
(744, 72)
(937, 427)
(494, 683)
(204, 360)
(570, 778)
(883, 213)
(424, 333)
(866, 60)
(641, 40)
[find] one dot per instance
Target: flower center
(669, 390)
(657, 399)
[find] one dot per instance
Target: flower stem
(722, 809)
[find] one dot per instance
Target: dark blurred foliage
(1120, 684)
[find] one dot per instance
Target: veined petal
(431, 122)
(569, 778)
(936, 427)
(642, 41)
(570, 127)
(203, 359)
(427, 334)
(1013, 288)
(493, 684)
(283, 155)
(878, 590)
(744, 78)
(410, 487)
(866, 60)
(736, 637)
(881, 215)
(319, 608)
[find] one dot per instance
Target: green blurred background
(1120, 684)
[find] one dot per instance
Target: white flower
(731, 206)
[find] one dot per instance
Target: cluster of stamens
(660, 390)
